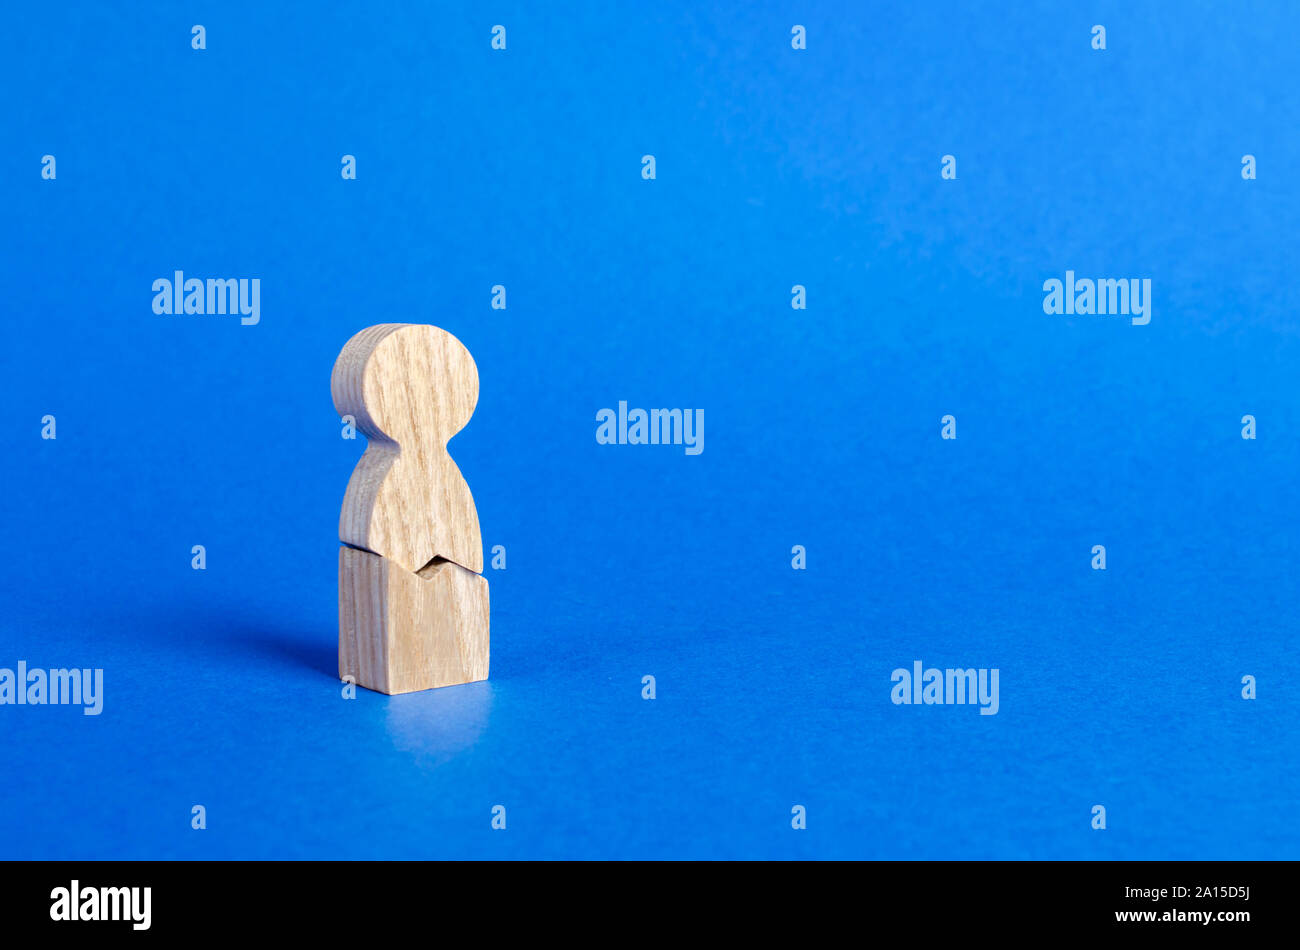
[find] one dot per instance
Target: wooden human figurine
(413, 604)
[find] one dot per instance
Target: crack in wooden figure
(413, 604)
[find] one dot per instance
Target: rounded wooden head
(410, 387)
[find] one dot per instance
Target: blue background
(775, 167)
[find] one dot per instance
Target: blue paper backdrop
(775, 167)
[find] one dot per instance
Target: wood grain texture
(400, 632)
(413, 608)
(411, 387)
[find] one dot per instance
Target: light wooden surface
(410, 387)
(400, 632)
(413, 608)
